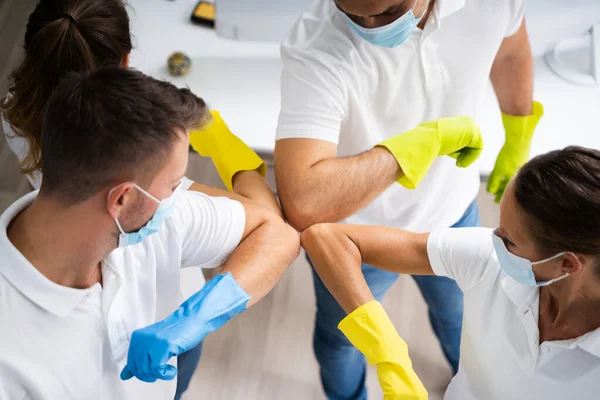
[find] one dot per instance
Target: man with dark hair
(91, 263)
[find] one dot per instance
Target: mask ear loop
(146, 193)
(119, 226)
(550, 259)
(424, 10)
(553, 280)
(115, 218)
(138, 188)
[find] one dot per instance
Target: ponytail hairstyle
(61, 36)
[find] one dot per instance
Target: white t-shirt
(500, 354)
(64, 343)
(20, 147)
(340, 88)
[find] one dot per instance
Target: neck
(575, 302)
(64, 243)
(426, 12)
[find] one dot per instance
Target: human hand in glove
(417, 149)
(515, 152)
(370, 330)
(207, 310)
(228, 152)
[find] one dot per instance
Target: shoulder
(494, 10)
(320, 35)
(14, 308)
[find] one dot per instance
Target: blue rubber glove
(207, 310)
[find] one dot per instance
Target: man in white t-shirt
(357, 73)
(90, 264)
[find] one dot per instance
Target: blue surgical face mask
(165, 208)
(390, 35)
(518, 268)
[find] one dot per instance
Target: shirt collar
(523, 295)
(16, 269)
(590, 342)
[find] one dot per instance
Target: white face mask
(390, 35)
(518, 268)
(165, 208)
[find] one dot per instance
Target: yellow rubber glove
(228, 152)
(370, 330)
(515, 152)
(417, 149)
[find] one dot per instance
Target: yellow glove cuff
(229, 153)
(415, 152)
(417, 149)
(371, 331)
(519, 128)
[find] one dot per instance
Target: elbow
(300, 214)
(299, 201)
(287, 238)
(293, 240)
(316, 236)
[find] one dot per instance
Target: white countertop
(241, 79)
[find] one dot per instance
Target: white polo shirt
(500, 354)
(340, 88)
(64, 343)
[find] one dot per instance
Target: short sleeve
(462, 254)
(516, 17)
(313, 96)
(210, 228)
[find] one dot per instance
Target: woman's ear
(572, 263)
(125, 60)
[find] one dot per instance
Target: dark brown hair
(560, 191)
(111, 125)
(61, 36)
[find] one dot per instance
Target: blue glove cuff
(219, 300)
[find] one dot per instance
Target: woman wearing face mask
(531, 326)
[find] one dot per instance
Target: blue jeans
(186, 365)
(342, 366)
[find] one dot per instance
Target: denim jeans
(186, 365)
(342, 367)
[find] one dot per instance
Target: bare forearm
(247, 186)
(335, 188)
(512, 74)
(337, 260)
(262, 257)
(253, 186)
(337, 252)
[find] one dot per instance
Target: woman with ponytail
(61, 36)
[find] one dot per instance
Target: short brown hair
(98, 35)
(111, 125)
(560, 191)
